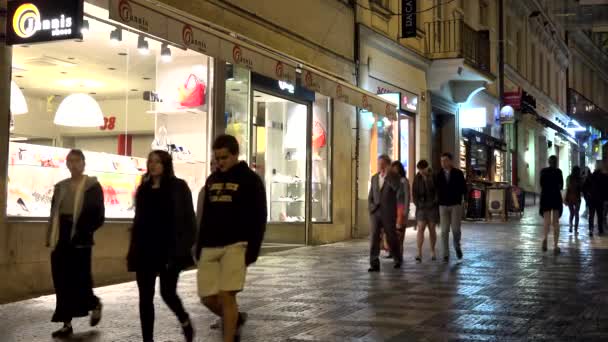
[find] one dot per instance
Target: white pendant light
(79, 110)
(18, 103)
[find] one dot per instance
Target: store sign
(408, 18)
(507, 115)
(139, 17)
(37, 21)
(513, 99)
(345, 93)
(408, 101)
(394, 98)
(288, 87)
(473, 118)
(238, 55)
(278, 70)
(193, 38)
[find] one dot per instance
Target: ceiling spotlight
(85, 27)
(143, 46)
(165, 53)
(116, 36)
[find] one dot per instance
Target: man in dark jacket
(451, 188)
(382, 201)
(595, 189)
(231, 233)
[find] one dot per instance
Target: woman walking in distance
(427, 207)
(551, 206)
(161, 241)
(403, 204)
(77, 211)
(574, 189)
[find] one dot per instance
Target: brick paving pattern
(505, 289)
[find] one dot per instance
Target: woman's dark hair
(166, 161)
(76, 152)
(423, 164)
(399, 167)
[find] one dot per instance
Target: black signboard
(408, 18)
(37, 21)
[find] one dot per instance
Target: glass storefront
(377, 136)
(133, 93)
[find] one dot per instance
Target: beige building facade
(275, 79)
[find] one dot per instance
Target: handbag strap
(196, 80)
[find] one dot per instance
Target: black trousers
(71, 269)
(596, 208)
(146, 282)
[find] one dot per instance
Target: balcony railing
(456, 39)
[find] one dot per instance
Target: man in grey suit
(382, 201)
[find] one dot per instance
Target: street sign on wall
(408, 18)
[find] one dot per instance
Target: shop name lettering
(140, 21)
(200, 44)
(61, 26)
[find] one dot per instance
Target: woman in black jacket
(77, 211)
(161, 240)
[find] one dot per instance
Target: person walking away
(425, 199)
(586, 174)
(596, 186)
(403, 205)
(382, 203)
(161, 241)
(77, 211)
(231, 233)
(451, 189)
(574, 189)
(551, 206)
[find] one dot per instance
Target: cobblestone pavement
(505, 289)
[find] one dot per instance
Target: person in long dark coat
(162, 237)
(77, 211)
(551, 204)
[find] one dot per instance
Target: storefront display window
(237, 107)
(115, 95)
(321, 159)
(479, 161)
(375, 138)
(280, 155)
(404, 140)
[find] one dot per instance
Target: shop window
(280, 155)
(377, 135)
(236, 116)
(133, 94)
(321, 159)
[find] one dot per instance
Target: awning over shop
(189, 33)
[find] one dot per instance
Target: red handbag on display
(192, 95)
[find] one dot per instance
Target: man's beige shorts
(221, 269)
